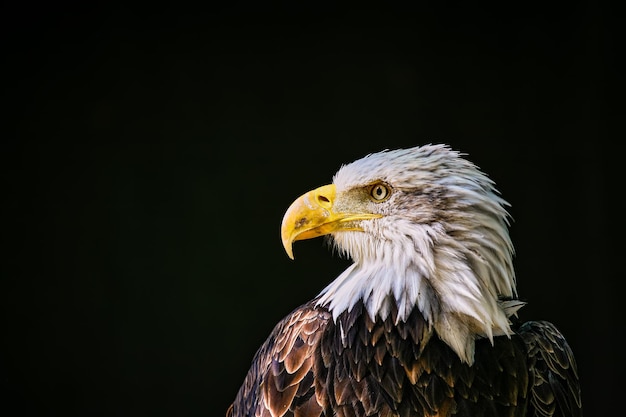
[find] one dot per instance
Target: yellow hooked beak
(312, 215)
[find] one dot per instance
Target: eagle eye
(379, 192)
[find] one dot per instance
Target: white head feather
(442, 246)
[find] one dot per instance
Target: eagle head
(426, 229)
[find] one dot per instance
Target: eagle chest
(383, 368)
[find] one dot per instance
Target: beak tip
(288, 246)
(289, 250)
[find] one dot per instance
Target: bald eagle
(424, 322)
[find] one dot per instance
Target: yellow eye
(379, 192)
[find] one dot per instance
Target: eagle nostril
(323, 201)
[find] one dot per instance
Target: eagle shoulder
(281, 378)
(554, 383)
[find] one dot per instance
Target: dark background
(150, 153)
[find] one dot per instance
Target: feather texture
(421, 323)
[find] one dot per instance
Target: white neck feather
(455, 288)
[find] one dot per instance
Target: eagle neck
(380, 287)
(440, 281)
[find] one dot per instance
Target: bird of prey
(424, 322)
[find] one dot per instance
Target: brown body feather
(311, 366)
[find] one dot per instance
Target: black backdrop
(150, 153)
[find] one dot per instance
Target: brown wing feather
(280, 380)
(555, 388)
(311, 366)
